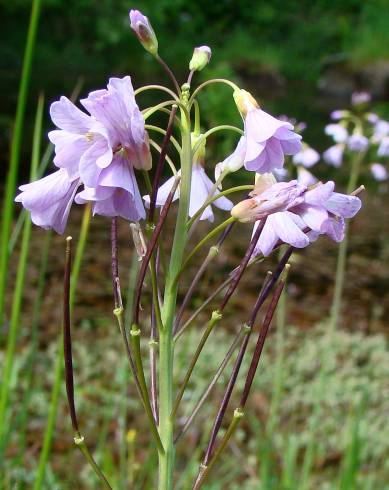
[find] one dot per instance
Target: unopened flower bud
(200, 58)
(244, 101)
(141, 26)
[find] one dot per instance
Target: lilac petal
(334, 228)
(68, 150)
(261, 126)
(253, 150)
(290, 141)
(89, 171)
(221, 203)
(67, 116)
(267, 240)
(120, 175)
(200, 187)
(288, 231)
(313, 216)
(343, 205)
(49, 200)
(320, 194)
(163, 193)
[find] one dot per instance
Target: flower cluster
(98, 150)
(359, 131)
(295, 214)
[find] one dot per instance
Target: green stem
(215, 318)
(168, 159)
(238, 415)
(166, 460)
(157, 129)
(202, 242)
(342, 252)
(80, 443)
(211, 82)
(58, 370)
(156, 87)
(135, 344)
(215, 197)
(16, 144)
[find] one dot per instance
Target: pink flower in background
(49, 199)
(381, 129)
(360, 98)
(383, 149)
(357, 142)
(267, 139)
(307, 157)
(338, 132)
(305, 177)
(379, 171)
(334, 155)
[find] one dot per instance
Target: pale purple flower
(359, 98)
(268, 197)
(305, 177)
(381, 129)
(267, 139)
(234, 161)
(372, 118)
(49, 199)
(324, 210)
(295, 215)
(338, 114)
(306, 157)
(200, 58)
(334, 155)
(357, 142)
(379, 171)
(200, 192)
(141, 26)
(116, 109)
(117, 192)
(79, 134)
(383, 149)
(337, 132)
(98, 150)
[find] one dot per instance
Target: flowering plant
(100, 154)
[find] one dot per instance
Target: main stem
(342, 252)
(166, 460)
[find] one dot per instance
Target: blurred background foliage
(276, 48)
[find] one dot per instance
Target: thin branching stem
(155, 87)
(161, 161)
(68, 360)
(244, 330)
(238, 362)
(150, 249)
(206, 466)
(169, 73)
